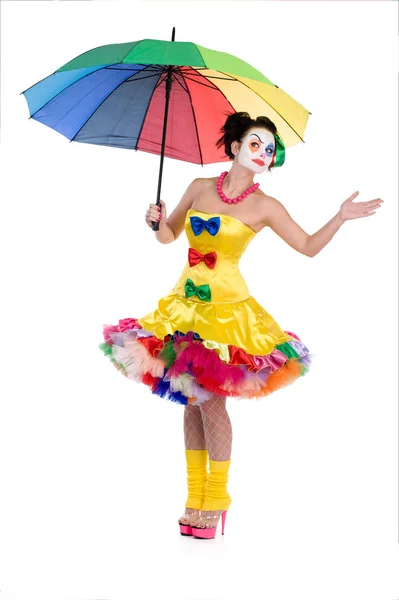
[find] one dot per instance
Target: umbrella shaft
(167, 95)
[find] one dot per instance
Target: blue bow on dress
(198, 225)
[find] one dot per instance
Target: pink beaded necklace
(238, 198)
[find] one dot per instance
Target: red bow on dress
(194, 257)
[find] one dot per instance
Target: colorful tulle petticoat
(182, 369)
(208, 336)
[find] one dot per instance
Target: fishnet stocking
(194, 437)
(217, 428)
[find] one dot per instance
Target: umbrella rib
(135, 76)
(145, 116)
(94, 111)
(113, 68)
(37, 83)
(140, 78)
(210, 76)
(220, 92)
(201, 83)
(228, 76)
(161, 80)
(245, 85)
(214, 88)
(195, 120)
(185, 89)
(61, 91)
(66, 87)
(290, 126)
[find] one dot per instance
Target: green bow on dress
(202, 291)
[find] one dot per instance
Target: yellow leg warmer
(197, 473)
(216, 494)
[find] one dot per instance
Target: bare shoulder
(190, 194)
(206, 182)
(267, 206)
(198, 184)
(201, 186)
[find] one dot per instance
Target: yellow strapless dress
(208, 335)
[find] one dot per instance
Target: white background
(93, 470)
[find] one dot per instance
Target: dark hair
(236, 126)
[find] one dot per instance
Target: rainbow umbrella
(120, 95)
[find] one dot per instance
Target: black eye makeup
(269, 150)
(257, 137)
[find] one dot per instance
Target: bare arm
(171, 227)
(278, 219)
(318, 240)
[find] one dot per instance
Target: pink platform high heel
(208, 533)
(186, 529)
(189, 514)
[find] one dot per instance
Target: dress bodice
(216, 244)
(211, 297)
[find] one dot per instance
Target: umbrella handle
(155, 224)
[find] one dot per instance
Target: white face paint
(257, 149)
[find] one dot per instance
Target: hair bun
(235, 120)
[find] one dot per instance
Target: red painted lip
(258, 161)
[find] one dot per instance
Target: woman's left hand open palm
(354, 210)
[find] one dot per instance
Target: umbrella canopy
(114, 95)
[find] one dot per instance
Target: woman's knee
(214, 403)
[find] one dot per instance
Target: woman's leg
(196, 460)
(217, 428)
(218, 438)
(194, 437)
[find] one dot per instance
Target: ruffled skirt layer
(188, 369)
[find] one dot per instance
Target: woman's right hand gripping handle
(171, 227)
(156, 213)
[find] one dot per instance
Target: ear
(235, 147)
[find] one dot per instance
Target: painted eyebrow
(257, 137)
(271, 145)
